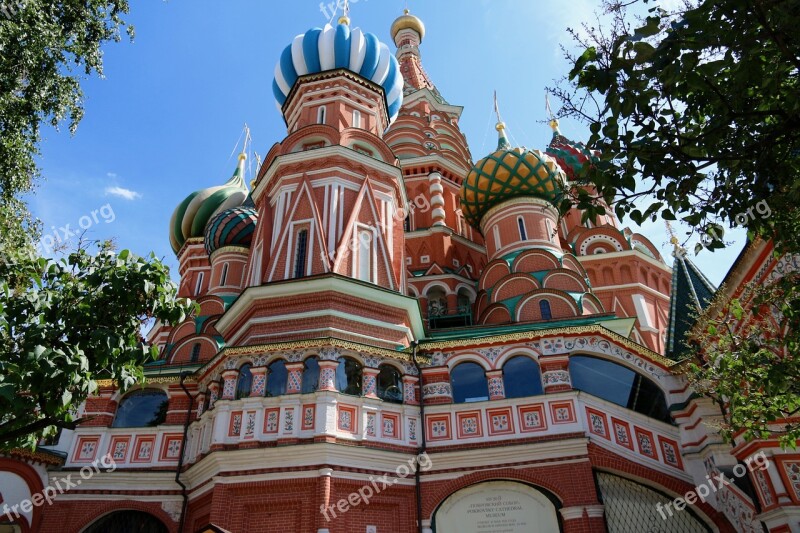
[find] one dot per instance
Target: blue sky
(164, 120)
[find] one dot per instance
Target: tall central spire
(502, 141)
(408, 32)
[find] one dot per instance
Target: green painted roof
(691, 294)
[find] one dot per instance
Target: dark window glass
(348, 376)
(224, 277)
(277, 376)
(469, 383)
(407, 223)
(523, 235)
(521, 377)
(620, 385)
(390, 384)
(245, 382)
(195, 352)
(300, 254)
(142, 408)
(544, 308)
(127, 522)
(310, 375)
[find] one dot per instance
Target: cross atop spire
(345, 18)
(502, 141)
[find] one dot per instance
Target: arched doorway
(507, 506)
(127, 522)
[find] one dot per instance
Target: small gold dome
(408, 22)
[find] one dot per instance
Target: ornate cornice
(523, 336)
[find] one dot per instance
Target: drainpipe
(423, 444)
(185, 496)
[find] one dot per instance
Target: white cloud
(111, 175)
(123, 193)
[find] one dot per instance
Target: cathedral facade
(392, 338)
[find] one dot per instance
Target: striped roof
(233, 227)
(330, 48)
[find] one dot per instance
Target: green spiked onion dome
(193, 214)
(509, 173)
(232, 227)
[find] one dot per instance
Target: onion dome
(571, 155)
(509, 173)
(232, 227)
(339, 47)
(408, 22)
(192, 215)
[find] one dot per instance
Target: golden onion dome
(408, 22)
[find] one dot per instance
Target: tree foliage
(46, 48)
(65, 324)
(750, 365)
(696, 113)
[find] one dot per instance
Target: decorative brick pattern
(143, 449)
(171, 447)
(271, 417)
(250, 425)
(598, 423)
(371, 417)
(562, 412)
(235, 425)
(309, 413)
(390, 425)
(501, 421)
(118, 449)
(622, 433)
(646, 443)
(670, 452)
(532, 418)
(86, 449)
(438, 427)
(469, 425)
(346, 419)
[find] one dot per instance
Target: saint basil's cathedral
(392, 339)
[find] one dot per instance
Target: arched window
(142, 408)
(521, 377)
(523, 235)
(277, 376)
(124, 521)
(469, 383)
(301, 252)
(224, 276)
(348, 376)
(364, 264)
(407, 223)
(390, 384)
(321, 115)
(544, 309)
(245, 381)
(356, 118)
(310, 375)
(199, 286)
(620, 385)
(195, 353)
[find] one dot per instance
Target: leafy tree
(750, 366)
(46, 48)
(696, 113)
(65, 324)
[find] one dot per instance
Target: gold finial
(344, 20)
(406, 11)
(500, 124)
(550, 115)
(242, 156)
(673, 239)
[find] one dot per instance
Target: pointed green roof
(691, 293)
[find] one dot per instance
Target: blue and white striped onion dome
(339, 47)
